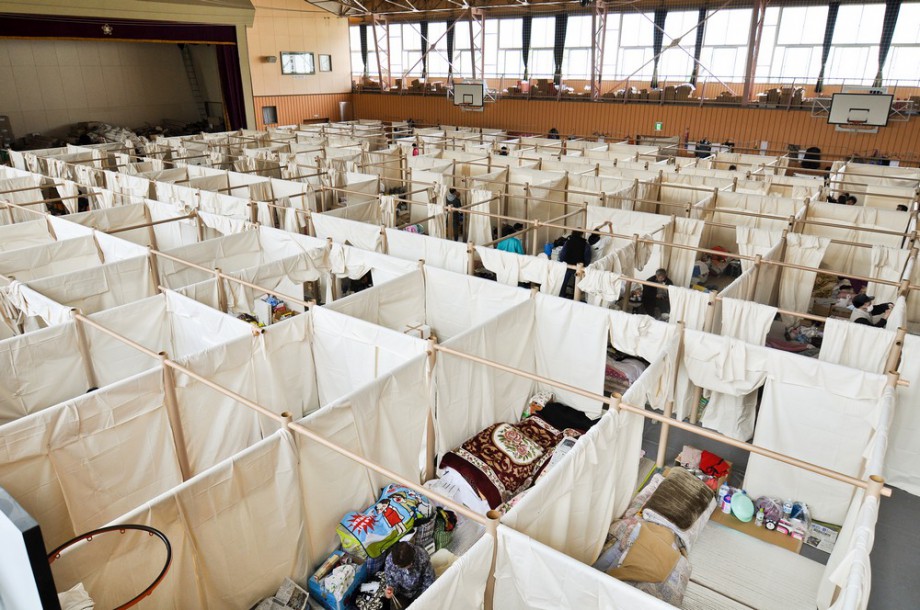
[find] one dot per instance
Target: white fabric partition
(202, 518)
(796, 285)
(94, 289)
(687, 306)
(851, 219)
(395, 305)
(42, 368)
(463, 583)
(904, 449)
(353, 232)
(510, 269)
(285, 276)
(732, 371)
(749, 322)
(570, 343)
(457, 303)
(76, 466)
(821, 413)
(479, 226)
(572, 508)
(752, 242)
(532, 576)
(25, 235)
(859, 346)
(887, 264)
(472, 396)
(441, 253)
(351, 353)
(365, 422)
(55, 258)
(679, 262)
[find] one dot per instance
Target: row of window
(790, 48)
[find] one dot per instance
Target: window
(905, 47)
(579, 37)
(791, 44)
(542, 37)
(725, 45)
(354, 39)
(634, 59)
(854, 50)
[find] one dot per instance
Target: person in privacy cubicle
(408, 574)
(575, 250)
(865, 313)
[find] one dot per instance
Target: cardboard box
(669, 94)
(324, 596)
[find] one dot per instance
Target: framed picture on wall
(297, 62)
(325, 63)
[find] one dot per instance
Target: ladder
(192, 76)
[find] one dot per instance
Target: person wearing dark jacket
(408, 573)
(865, 313)
(575, 250)
(655, 297)
(453, 201)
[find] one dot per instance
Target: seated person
(511, 244)
(865, 313)
(409, 573)
(503, 151)
(656, 297)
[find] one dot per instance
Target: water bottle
(759, 519)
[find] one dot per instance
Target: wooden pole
(83, 347)
(663, 437)
(175, 419)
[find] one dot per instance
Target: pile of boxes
(785, 97)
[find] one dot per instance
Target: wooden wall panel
(747, 127)
(294, 109)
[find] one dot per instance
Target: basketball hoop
(88, 536)
(470, 108)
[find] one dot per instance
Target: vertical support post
(253, 213)
(599, 36)
(221, 290)
(430, 449)
(151, 233)
(753, 50)
(493, 517)
(175, 421)
(894, 356)
(382, 49)
(154, 268)
(83, 346)
(200, 225)
(752, 291)
(663, 437)
(9, 211)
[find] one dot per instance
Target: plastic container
(742, 507)
(727, 504)
(758, 521)
(548, 250)
(723, 491)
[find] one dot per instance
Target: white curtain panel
(796, 285)
(463, 583)
(479, 226)
(441, 253)
(571, 346)
(859, 346)
(752, 242)
(687, 306)
(572, 508)
(685, 232)
(820, 413)
(532, 576)
(358, 234)
(887, 264)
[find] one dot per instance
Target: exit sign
(658, 125)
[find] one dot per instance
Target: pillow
(651, 557)
(681, 498)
